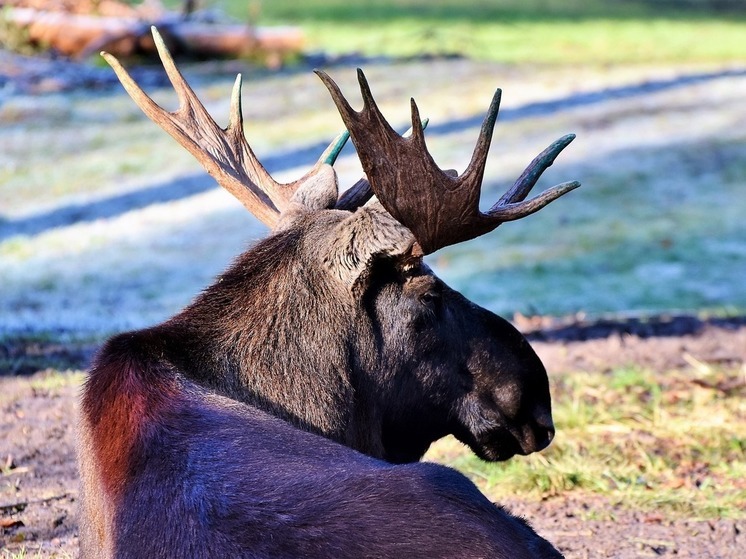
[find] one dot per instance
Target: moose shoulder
(181, 472)
(334, 324)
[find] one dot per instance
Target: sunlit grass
(597, 41)
(630, 229)
(638, 236)
(511, 31)
(25, 553)
(672, 441)
(51, 381)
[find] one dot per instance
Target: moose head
(334, 322)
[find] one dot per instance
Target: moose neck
(272, 332)
(406, 439)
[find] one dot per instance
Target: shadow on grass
(194, 184)
(26, 354)
(656, 326)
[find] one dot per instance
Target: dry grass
(671, 441)
(25, 553)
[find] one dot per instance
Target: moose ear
(319, 191)
(367, 234)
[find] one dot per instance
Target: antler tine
(475, 170)
(536, 168)
(330, 154)
(516, 210)
(439, 207)
(355, 196)
(224, 153)
(511, 206)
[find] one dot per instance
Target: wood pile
(80, 28)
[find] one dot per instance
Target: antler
(360, 192)
(440, 208)
(225, 153)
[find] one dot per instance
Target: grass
(25, 553)
(513, 31)
(648, 253)
(670, 441)
(51, 381)
(28, 352)
(639, 235)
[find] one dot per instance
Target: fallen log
(81, 35)
(210, 39)
(75, 35)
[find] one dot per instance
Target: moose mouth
(496, 445)
(503, 442)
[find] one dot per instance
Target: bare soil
(38, 481)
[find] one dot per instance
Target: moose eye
(430, 298)
(428, 311)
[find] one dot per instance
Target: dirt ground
(38, 482)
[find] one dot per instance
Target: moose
(282, 413)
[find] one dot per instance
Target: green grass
(53, 353)
(513, 31)
(51, 381)
(474, 10)
(630, 229)
(669, 441)
(638, 236)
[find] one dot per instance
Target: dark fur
(328, 325)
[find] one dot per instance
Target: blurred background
(107, 224)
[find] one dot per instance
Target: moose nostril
(539, 430)
(543, 422)
(544, 436)
(550, 435)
